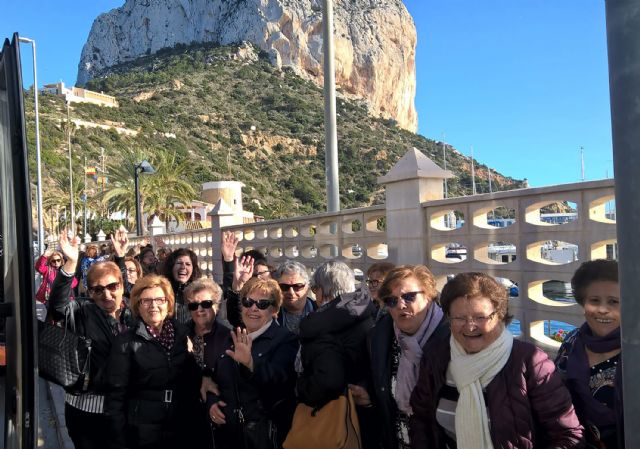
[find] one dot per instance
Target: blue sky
(523, 81)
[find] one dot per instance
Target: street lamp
(26, 40)
(142, 167)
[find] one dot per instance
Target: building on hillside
(80, 95)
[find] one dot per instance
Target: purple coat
(527, 402)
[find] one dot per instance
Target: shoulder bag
(63, 356)
(334, 426)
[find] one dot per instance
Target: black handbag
(63, 356)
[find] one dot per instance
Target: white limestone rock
(375, 41)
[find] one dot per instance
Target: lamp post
(142, 167)
(26, 40)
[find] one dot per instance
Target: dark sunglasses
(56, 260)
(296, 287)
(392, 301)
(206, 304)
(99, 289)
(262, 304)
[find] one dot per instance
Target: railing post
(623, 42)
(413, 180)
(221, 215)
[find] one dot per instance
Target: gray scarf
(410, 355)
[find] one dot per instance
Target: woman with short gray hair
(293, 280)
(333, 279)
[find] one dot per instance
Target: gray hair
(291, 267)
(334, 278)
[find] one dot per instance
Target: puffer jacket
(92, 322)
(334, 348)
(152, 392)
(527, 402)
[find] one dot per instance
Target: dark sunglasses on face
(206, 304)
(392, 301)
(56, 260)
(99, 289)
(262, 304)
(296, 287)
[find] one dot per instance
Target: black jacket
(152, 392)
(92, 322)
(381, 340)
(265, 393)
(334, 348)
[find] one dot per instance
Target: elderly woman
(153, 378)
(255, 374)
(48, 265)
(590, 357)
(413, 317)
(375, 277)
(100, 317)
(333, 338)
(293, 280)
(481, 376)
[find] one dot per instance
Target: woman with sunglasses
(480, 388)
(48, 265)
(153, 378)
(255, 374)
(100, 317)
(412, 318)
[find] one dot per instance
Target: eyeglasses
(99, 289)
(159, 301)
(392, 301)
(262, 304)
(296, 287)
(261, 273)
(478, 320)
(373, 283)
(206, 304)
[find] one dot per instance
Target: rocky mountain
(375, 42)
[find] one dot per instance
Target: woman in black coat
(153, 378)
(255, 374)
(181, 268)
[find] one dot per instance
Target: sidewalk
(52, 427)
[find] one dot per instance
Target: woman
(90, 257)
(413, 317)
(375, 277)
(481, 376)
(100, 317)
(181, 269)
(133, 272)
(255, 374)
(153, 379)
(48, 265)
(590, 357)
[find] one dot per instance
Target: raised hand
(242, 272)
(229, 245)
(241, 352)
(120, 242)
(69, 247)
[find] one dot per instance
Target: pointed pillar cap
(413, 165)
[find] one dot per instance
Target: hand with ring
(216, 414)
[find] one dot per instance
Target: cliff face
(375, 41)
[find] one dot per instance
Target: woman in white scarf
(481, 388)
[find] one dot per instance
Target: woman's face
(602, 307)
(132, 272)
(56, 260)
(254, 316)
(182, 269)
(107, 293)
(411, 304)
(474, 323)
(261, 271)
(154, 306)
(203, 316)
(374, 281)
(149, 259)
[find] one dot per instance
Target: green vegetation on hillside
(232, 118)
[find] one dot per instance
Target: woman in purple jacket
(480, 388)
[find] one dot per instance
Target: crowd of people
(178, 360)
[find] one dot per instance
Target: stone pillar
(87, 238)
(413, 180)
(221, 215)
(157, 226)
(101, 235)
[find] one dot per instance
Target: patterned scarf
(166, 336)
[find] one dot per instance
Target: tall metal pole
(138, 212)
(72, 206)
(38, 160)
(490, 186)
(623, 43)
(444, 159)
(84, 199)
(473, 174)
(330, 132)
(582, 163)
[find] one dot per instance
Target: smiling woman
(481, 374)
(181, 268)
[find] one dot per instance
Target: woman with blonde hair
(153, 378)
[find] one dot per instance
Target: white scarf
(471, 373)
